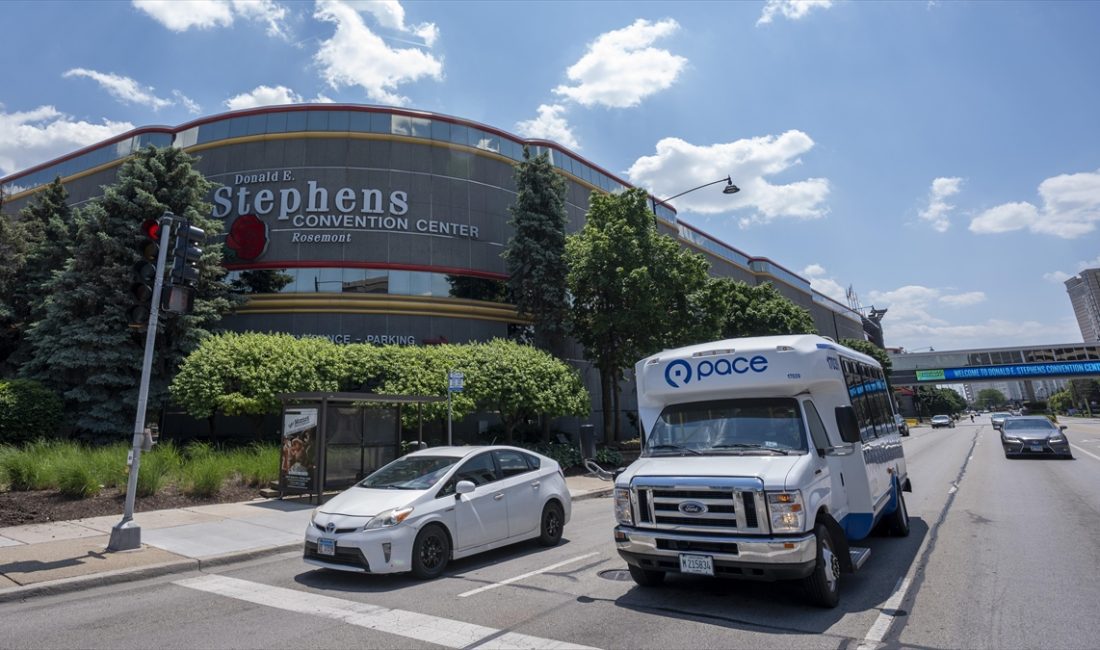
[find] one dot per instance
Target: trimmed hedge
(28, 410)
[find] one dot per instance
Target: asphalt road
(1002, 554)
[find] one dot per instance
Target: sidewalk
(56, 557)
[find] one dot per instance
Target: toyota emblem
(330, 527)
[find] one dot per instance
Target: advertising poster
(299, 456)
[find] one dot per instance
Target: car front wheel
(823, 585)
(431, 552)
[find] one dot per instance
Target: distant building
(1084, 293)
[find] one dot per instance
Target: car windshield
(941, 418)
(771, 426)
(410, 473)
(1028, 423)
(1001, 415)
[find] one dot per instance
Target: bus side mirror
(846, 423)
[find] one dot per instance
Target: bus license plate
(326, 546)
(700, 564)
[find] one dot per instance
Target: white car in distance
(434, 505)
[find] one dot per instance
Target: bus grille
(718, 510)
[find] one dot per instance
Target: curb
(120, 576)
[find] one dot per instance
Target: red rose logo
(247, 237)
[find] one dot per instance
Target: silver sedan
(1034, 436)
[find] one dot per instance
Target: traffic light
(145, 273)
(179, 296)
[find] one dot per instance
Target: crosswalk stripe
(412, 625)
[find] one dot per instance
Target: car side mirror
(846, 423)
(464, 487)
(1063, 427)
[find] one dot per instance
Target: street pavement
(68, 555)
(1002, 554)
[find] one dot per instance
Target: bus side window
(817, 429)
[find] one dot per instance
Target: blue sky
(943, 158)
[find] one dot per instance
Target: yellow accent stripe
(294, 135)
(338, 303)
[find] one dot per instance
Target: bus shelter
(332, 440)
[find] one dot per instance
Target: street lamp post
(730, 188)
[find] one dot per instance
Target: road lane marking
(509, 581)
(411, 625)
(1087, 453)
(887, 612)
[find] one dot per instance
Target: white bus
(762, 458)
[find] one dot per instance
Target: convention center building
(383, 225)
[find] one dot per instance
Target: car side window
(511, 463)
(532, 461)
(479, 470)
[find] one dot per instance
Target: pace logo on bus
(681, 372)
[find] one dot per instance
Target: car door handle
(535, 484)
(498, 496)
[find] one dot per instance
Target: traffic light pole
(126, 534)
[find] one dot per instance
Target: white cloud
(549, 125)
(356, 56)
(391, 15)
(620, 68)
(1071, 208)
(821, 282)
(914, 320)
(31, 137)
(270, 96)
(963, 299)
(790, 9)
(124, 89)
(938, 207)
(191, 105)
(1061, 276)
(679, 165)
(206, 14)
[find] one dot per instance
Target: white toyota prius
(434, 505)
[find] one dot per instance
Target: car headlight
(1058, 439)
(1011, 439)
(313, 515)
(389, 519)
(787, 512)
(624, 513)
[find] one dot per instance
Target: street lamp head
(730, 188)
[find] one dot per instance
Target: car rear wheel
(823, 585)
(646, 578)
(431, 552)
(553, 521)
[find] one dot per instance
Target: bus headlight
(786, 511)
(624, 514)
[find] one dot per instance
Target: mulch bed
(41, 506)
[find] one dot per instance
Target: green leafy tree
(873, 351)
(13, 250)
(634, 291)
(521, 383)
(262, 281)
(83, 347)
(940, 401)
(990, 398)
(46, 227)
(535, 252)
(760, 310)
(1060, 402)
(243, 374)
(1085, 393)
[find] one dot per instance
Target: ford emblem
(692, 508)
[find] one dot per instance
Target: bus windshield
(759, 426)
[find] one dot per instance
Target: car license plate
(700, 564)
(1036, 447)
(326, 546)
